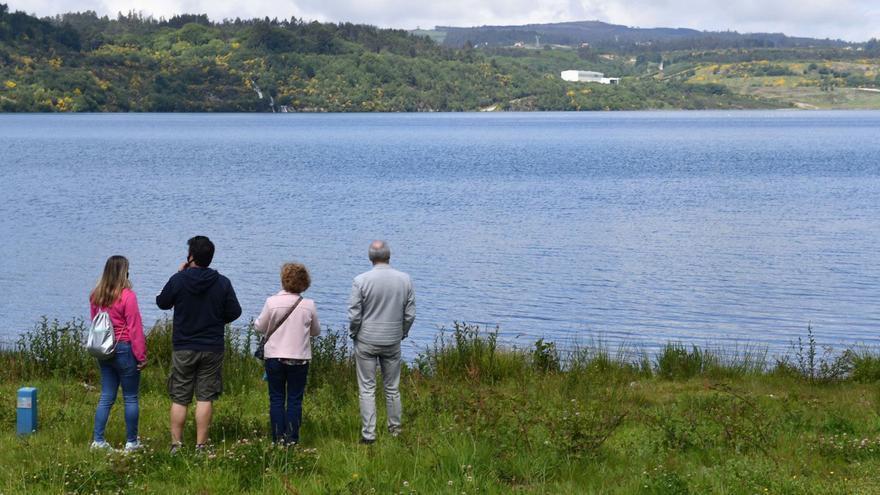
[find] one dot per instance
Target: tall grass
(597, 359)
(54, 349)
(479, 417)
(471, 352)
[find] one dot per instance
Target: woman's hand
(141, 365)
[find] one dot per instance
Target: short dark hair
(201, 249)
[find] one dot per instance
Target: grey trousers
(367, 356)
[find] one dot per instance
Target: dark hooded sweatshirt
(204, 302)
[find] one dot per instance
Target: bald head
(380, 252)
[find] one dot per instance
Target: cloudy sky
(854, 20)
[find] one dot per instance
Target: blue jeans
(120, 370)
(285, 382)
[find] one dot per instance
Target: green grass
(479, 418)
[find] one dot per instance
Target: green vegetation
(804, 83)
(479, 418)
(83, 62)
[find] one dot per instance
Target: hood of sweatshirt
(199, 280)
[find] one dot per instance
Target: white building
(588, 76)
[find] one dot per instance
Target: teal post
(27, 411)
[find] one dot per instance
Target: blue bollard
(27, 411)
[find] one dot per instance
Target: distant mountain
(617, 36)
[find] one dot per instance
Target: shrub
(331, 358)
(812, 363)
(239, 363)
(864, 365)
(676, 362)
(545, 357)
(596, 359)
(53, 349)
(470, 353)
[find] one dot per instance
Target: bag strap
(282, 320)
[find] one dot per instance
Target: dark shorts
(199, 372)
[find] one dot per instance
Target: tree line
(85, 62)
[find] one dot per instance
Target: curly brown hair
(295, 278)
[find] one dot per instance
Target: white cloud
(848, 19)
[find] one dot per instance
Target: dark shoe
(204, 449)
(367, 441)
(175, 448)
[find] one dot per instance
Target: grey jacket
(382, 306)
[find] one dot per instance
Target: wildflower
(449, 482)
(405, 483)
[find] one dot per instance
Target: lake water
(704, 227)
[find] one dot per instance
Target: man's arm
(355, 310)
(165, 299)
(231, 308)
(409, 310)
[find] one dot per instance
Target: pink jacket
(291, 340)
(127, 324)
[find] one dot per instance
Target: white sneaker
(133, 446)
(102, 445)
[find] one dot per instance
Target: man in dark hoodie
(204, 302)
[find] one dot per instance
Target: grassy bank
(479, 418)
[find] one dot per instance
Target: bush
(864, 365)
(597, 360)
(53, 349)
(331, 358)
(470, 353)
(676, 362)
(545, 357)
(812, 363)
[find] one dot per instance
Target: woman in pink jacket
(288, 350)
(113, 294)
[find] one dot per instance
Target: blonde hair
(112, 282)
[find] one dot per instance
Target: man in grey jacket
(381, 309)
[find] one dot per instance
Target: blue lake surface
(728, 228)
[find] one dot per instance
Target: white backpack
(101, 340)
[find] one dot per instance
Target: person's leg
(209, 386)
(276, 381)
(130, 379)
(181, 384)
(365, 364)
(204, 411)
(109, 386)
(296, 387)
(389, 359)
(178, 419)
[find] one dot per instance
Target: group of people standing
(381, 313)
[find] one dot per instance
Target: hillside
(614, 36)
(85, 62)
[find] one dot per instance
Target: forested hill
(614, 36)
(85, 62)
